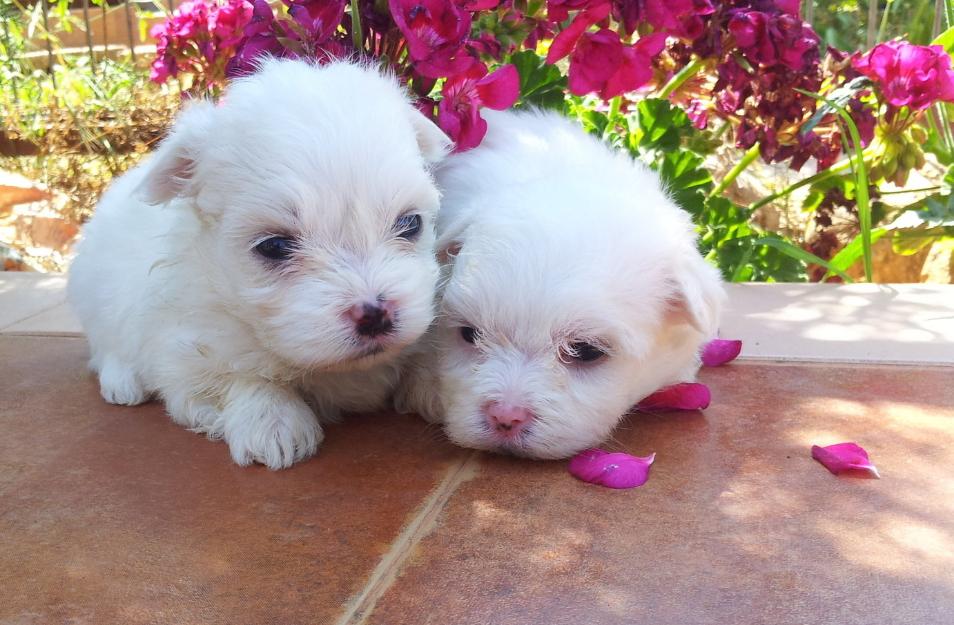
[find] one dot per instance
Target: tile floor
(115, 515)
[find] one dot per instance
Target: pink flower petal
(499, 90)
(566, 40)
(720, 351)
(613, 470)
(685, 396)
(844, 457)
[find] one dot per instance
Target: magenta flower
(478, 5)
(212, 28)
(227, 22)
(909, 75)
(435, 31)
(613, 470)
(602, 63)
(567, 39)
(318, 18)
(261, 40)
(559, 10)
(720, 351)
(844, 457)
(684, 396)
(458, 112)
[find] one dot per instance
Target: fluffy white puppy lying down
(573, 290)
(270, 261)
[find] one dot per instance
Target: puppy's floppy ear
(170, 172)
(432, 141)
(699, 296)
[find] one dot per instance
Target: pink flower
(261, 40)
(228, 20)
(213, 28)
(319, 18)
(458, 112)
(567, 39)
(720, 351)
(681, 18)
(435, 31)
(684, 396)
(614, 470)
(792, 7)
(909, 75)
(844, 457)
(602, 63)
(478, 5)
(559, 10)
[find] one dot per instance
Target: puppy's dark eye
(469, 334)
(276, 248)
(581, 351)
(408, 226)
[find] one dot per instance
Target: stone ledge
(906, 324)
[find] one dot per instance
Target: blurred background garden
(810, 142)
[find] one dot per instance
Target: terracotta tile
(737, 523)
(115, 515)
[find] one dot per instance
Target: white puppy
(277, 250)
(573, 290)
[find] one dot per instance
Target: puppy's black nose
(372, 319)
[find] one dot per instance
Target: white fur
(561, 240)
(178, 304)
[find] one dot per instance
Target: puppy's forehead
(533, 295)
(291, 178)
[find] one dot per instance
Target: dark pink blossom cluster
(605, 61)
(764, 57)
(199, 35)
(422, 40)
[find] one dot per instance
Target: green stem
(721, 131)
(922, 190)
(860, 172)
(687, 72)
(751, 154)
(883, 28)
(615, 104)
(357, 37)
(835, 170)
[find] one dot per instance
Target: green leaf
(838, 97)
(851, 253)
(541, 85)
(908, 241)
(945, 39)
(663, 125)
(796, 252)
(686, 179)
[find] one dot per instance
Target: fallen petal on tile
(685, 396)
(844, 457)
(720, 351)
(614, 470)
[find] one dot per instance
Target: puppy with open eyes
(271, 261)
(573, 289)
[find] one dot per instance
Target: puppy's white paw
(119, 384)
(276, 429)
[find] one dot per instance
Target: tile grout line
(389, 567)
(32, 315)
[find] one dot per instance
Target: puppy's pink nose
(507, 419)
(373, 319)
